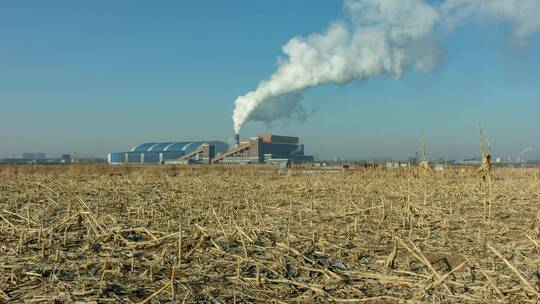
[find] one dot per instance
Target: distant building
(66, 158)
(33, 156)
(169, 152)
(475, 161)
(266, 148)
(274, 149)
(390, 165)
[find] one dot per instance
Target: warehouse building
(170, 153)
(33, 156)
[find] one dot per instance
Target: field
(100, 234)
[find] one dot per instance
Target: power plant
(275, 149)
(265, 149)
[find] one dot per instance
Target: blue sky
(102, 76)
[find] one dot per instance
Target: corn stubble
(100, 234)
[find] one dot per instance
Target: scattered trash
(338, 265)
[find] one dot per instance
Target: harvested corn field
(99, 234)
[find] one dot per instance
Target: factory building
(275, 149)
(170, 153)
(266, 148)
(33, 156)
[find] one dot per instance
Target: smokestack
(237, 140)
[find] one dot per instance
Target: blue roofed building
(170, 152)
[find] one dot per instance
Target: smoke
(281, 108)
(382, 38)
(526, 150)
(522, 15)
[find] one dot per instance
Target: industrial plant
(38, 158)
(274, 149)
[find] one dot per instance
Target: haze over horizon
(98, 77)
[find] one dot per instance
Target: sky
(93, 77)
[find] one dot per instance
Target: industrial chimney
(237, 140)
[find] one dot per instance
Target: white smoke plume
(380, 38)
(526, 150)
(285, 107)
(523, 15)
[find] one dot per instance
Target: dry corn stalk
(485, 171)
(424, 164)
(485, 167)
(229, 230)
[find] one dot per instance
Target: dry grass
(254, 234)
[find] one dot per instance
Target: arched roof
(184, 146)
